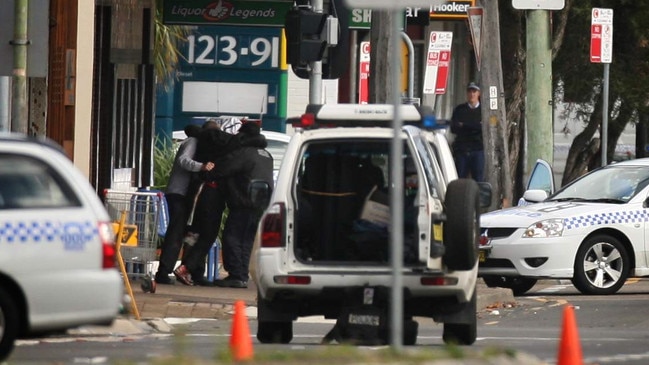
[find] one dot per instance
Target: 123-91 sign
(233, 50)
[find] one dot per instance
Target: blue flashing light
(429, 121)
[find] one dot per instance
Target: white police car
(57, 251)
(593, 231)
(323, 245)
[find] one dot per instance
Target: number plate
(482, 255)
(364, 319)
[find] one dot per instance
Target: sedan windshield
(612, 184)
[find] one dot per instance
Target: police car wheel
(602, 265)
(274, 332)
(518, 284)
(462, 227)
(8, 324)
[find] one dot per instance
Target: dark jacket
(468, 136)
(214, 144)
(237, 169)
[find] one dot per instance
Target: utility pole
(19, 89)
(494, 115)
(380, 76)
(538, 104)
(315, 75)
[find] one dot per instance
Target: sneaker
(162, 278)
(183, 275)
(190, 239)
(231, 283)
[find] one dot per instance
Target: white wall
(83, 92)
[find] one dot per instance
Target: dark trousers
(238, 239)
(207, 222)
(179, 207)
(470, 162)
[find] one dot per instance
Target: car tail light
(437, 280)
(292, 279)
(272, 227)
(109, 251)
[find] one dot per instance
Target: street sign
(475, 25)
(601, 35)
(226, 12)
(364, 74)
(538, 4)
(390, 4)
(437, 62)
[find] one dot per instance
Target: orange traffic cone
(569, 347)
(240, 341)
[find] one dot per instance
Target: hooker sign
(364, 74)
(437, 62)
(601, 36)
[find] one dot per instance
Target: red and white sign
(475, 26)
(438, 62)
(601, 35)
(364, 74)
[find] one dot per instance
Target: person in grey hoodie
(179, 201)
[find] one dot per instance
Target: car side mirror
(535, 195)
(484, 189)
(259, 193)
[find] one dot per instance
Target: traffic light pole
(315, 75)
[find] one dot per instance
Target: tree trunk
(581, 150)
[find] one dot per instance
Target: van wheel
(463, 333)
(410, 329)
(8, 324)
(462, 227)
(274, 332)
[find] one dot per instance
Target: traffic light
(336, 57)
(303, 35)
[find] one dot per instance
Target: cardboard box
(376, 208)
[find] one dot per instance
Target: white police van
(323, 243)
(57, 249)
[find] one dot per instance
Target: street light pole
(315, 75)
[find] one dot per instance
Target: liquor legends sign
(438, 61)
(601, 36)
(226, 12)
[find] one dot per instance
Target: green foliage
(168, 39)
(164, 154)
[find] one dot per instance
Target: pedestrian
(179, 202)
(466, 124)
(213, 143)
(235, 172)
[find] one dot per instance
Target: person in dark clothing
(466, 124)
(235, 172)
(179, 202)
(213, 143)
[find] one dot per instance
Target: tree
(578, 81)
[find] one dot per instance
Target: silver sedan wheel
(603, 265)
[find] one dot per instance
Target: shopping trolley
(144, 212)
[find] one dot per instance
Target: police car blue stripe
(634, 216)
(74, 235)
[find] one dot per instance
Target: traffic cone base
(240, 341)
(570, 346)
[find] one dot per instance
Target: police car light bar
(363, 115)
